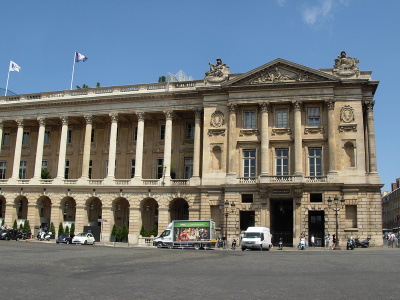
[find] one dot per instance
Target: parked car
(65, 238)
(83, 238)
(8, 234)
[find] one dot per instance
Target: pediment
(280, 71)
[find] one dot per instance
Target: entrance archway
(179, 209)
(282, 221)
(21, 209)
(149, 209)
(68, 211)
(43, 205)
(121, 212)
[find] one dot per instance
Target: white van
(256, 238)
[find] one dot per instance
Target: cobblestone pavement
(35, 270)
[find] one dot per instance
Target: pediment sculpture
(276, 75)
(218, 73)
(346, 66)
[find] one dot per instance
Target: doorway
(282, 222)
(316, 226)
(247, 219)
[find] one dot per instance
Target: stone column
(113, 147)
(168, 145)
(1, 134)
(39, 150)
(163, 219)
(18, 149)
(196, 150)
(232, 142)
(331, 135)
(264, 140)
(298, 161)
(369, 106)
(63, 150)
(139, 148)
(86, 148)
(134, 225)
(55, 217)
(81, 218)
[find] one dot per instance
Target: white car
(83, 238)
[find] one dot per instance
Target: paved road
(35, 270)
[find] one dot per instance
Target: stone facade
(391, 208)
(277, 142)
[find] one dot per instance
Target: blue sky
(132, 42)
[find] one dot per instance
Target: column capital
(197, 112)
(42, 121)
(169, 114)
(369, 105)
(264, 106)
(232, 108)
(140, 116)
(114, 117)
(64, 120)
(20, 122)
(88, 119)
(330, 104)
(297, 104)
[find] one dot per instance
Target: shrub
(27, 227)
(15, 226)
(142, 231)
(21, 227)
(125, 232)
(119, 234)
(60, 229)
(67, 229)
(114, 231)
(52, 229)
(155, 230)
(72, 231)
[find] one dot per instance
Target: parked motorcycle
(44, 236)
(234, 244)
(364, 243)
(280, 244)
(351, 244)
(220, 243)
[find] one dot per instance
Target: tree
(98, 84)
(21, 227)
(44, 174)
(27, 227)
(60, 229)
(52, 229)
(161, 79)
(15, 226)
(72, 231)
(66, 229)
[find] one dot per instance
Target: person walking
(327, 238)
(312, 241)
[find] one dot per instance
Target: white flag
(80, 57)
(14, 66)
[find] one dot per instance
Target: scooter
(220, 243)
(351, 244)
(234, 244)
(302, 244)
(364, 243)
(44, 236)
(280, 244)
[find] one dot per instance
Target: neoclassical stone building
(277, 141)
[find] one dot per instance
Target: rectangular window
(46, 137)
(6, 139)
(315, 197)
(313, 116)
(135, 133)
(132, 167)
(66, 172)
(315, 161)
(188, 167)
(44, 164)
(115, 168)
(160, 168)
(69, 136)
(282, 161)
(22, 169)
(25, 138)
(249, 119)
(3, 165)
(247, 198)
(162, 131)
(92, 136)
(189, 130)
(351, 216)
(249, 163)
(90, 169)
(281, 117)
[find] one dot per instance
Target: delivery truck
(197, 234)
(256, 238)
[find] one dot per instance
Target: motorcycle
(44, 236)
(302, 244)
(280, 244)
(363, 244)
(351, 243)
(220, 243)
(234, 244)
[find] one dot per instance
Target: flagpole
(8, 76)
(73, 68)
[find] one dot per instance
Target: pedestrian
(312, 241)
(272, 245)
(327, 238)
(333, 241)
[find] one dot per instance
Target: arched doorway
(43, 205)
(2, 208)
(121, 212)
(179, 209)
(68, 210)
(149, 209)
(21, 210)
(94, 213)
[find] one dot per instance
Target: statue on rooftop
(218, 73)
(346, 66)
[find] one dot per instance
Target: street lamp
(225, 207)
(336, 209)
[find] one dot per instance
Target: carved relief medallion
(347, 114)
(217, 119)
